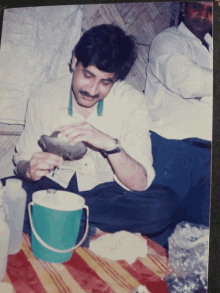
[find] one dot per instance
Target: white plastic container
(6, 288)
(15, 199)
(4, 238)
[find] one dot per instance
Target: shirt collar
(184, 31)
(209, 39)
(99, 107)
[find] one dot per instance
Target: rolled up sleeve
(28, 142)
(135, 140)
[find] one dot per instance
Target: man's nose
(203, 14)
(93, 89)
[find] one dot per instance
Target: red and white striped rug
(86, 272)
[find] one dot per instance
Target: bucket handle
(50, 247)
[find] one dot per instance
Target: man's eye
(87, 75)
(105, 82)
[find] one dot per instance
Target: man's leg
(172, 161)
(185, 167)
(196, 205)
(149, 212)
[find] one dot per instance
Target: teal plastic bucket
(55, 222)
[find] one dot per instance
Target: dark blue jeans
(184, 166)
(112, 208)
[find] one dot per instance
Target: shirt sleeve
(42, 111)
(28, 142)
(135, 138)
(178, 73)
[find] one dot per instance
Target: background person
(179, 94)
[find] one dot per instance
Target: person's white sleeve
(136, 142)
(176, 71)
(28, 142)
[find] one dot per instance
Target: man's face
(198, 17)
(90, 85)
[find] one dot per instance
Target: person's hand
(85, 132)
(41, 164)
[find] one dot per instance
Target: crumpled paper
(121, 245)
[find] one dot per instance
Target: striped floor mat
(86, 272)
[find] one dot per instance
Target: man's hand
(85, 132)
(41, 164)
(128, 171)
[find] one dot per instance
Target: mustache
(88, 95)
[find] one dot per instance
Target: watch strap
(117, 149)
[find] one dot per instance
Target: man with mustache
(179, 95)
(96, 106)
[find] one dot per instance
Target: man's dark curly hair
(108, 48)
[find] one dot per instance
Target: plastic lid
(61, 200)
(13, 184)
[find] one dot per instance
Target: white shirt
(125, 117)
(180, 69)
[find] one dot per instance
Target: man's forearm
(128, 171)
(22, 169)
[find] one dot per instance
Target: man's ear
(74, 61)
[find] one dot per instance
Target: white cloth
(180, 69)
(36, 48)
(141, 289)
(125, 117)
(121, 245)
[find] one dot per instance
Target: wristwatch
(117, 149)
